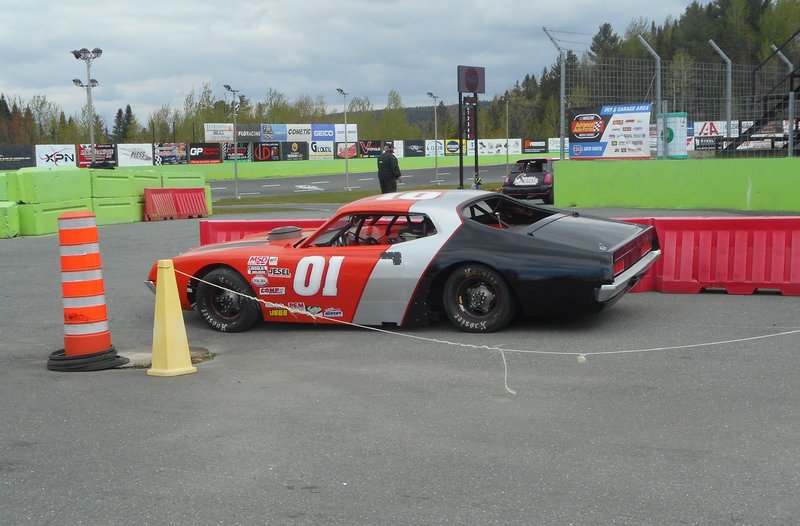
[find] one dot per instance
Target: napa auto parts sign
(616, 131)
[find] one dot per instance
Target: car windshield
(374, 229)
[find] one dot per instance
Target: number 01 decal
(308, 277)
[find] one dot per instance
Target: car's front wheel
(477, 299)
(224, 301)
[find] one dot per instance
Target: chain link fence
(732, 110)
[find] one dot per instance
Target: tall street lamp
(343, 93)
(235, 143)
(88, 57)
(435, 137)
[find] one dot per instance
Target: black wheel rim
(477, 298)
(225, 304)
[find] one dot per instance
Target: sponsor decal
(278, 313)
(55, 155)
(280, 272)
(369, 148)
(313, 309)
(259, 281)
(298, 305)
(273, 260)
(526, 179)
(256, 269)
(272, 291)
(258, 260)
(267, 151)
(333, 312)
(587, 126)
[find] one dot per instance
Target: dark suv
(530, 178)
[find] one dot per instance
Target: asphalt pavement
(686, 411)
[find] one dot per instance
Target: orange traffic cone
(87, 339)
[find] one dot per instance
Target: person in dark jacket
(388, 170)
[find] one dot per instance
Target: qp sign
(471, 79)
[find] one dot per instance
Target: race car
(406, 258)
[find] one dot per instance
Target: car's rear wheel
(477, 299)
(548, 198)
(224, 301)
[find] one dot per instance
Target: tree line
(745, 29)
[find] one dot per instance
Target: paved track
(294, 424)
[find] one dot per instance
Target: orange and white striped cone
(87, 339)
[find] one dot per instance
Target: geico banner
(104, 154)
(298, 132)
(273, 132)
(170, 153)
(56, 156)
(294, 151)
(323, 132)
(14, 157)
(352, 132)
(135, 154)
(205, 153)
(267, 151)
(616, 131)
(321, 150)
(413, 149)
(241, 152)
(218, 132)
(248, 132)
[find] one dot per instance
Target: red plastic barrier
(174, 203)
(218, 231)
(738, 254)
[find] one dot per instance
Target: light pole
(235, 143)
(435, 137)
(506, 135)
(88, 57)
(346, 145)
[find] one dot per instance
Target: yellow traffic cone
(171, 355)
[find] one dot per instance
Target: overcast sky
(156, 53)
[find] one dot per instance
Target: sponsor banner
(267, 151)
(298, 132)
(706, 143)
(554, 144)
(321, 150)
(534, 146)
(451, 147)
(14, 157)
(342, 153)
(713, 128)
(135, 154)
(352, 132)
(616, 131)
(413, 148)
(56, 156)
(205, 153)
(370, 149)
(497, 146)
(218, 132)
(323, 132)
(672, 127)
(248, 132)
(170, 153)
(294, 151)
(241, 152)
(398, 148)
(273, 132)
(431, 148)
(104, 154)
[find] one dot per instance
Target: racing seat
(417, 230)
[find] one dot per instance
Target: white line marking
(368, 179)
(319, 182)
(249, 193)
(269, 185)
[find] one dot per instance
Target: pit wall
(728, 184)
(32, 199)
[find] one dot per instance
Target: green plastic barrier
(730, 184)
(9, 219)
(112, 183)
(45, 186)
(115, 210)
(42, 218)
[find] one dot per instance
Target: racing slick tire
(222, 304)
(477, 299)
